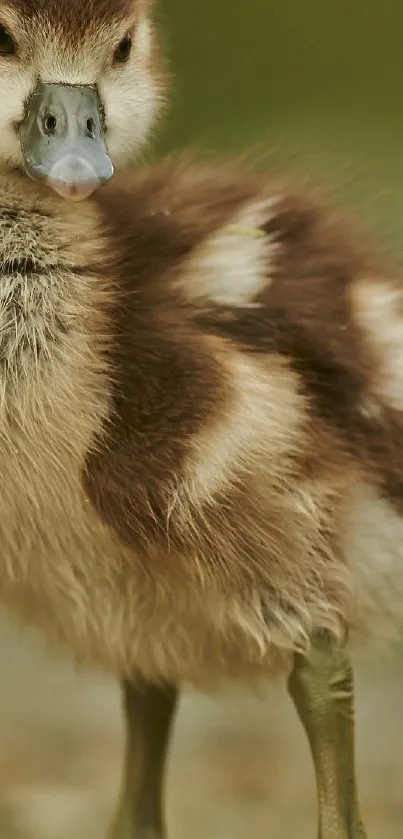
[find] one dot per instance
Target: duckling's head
(79, 89)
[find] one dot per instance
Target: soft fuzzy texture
(200, 435)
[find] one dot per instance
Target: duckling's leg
(321, 686)
(149, 713)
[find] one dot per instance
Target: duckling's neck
(46, 246)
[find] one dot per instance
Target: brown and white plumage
(200, 403)
(218, 448)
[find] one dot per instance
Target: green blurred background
(312, 86)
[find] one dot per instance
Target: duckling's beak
(62, 140)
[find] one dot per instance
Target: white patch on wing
(233, 265)
(260, 425)
(378, 310)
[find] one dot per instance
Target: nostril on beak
(90, 128)
(50, 124)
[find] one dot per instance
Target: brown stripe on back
(167, 380)
(156, 219)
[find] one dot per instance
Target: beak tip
(73, 191)
(76, 179)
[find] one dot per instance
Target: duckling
(201, 412)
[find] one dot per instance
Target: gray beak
(62, 140)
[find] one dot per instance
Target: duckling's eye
(123, 50)
(7, 44)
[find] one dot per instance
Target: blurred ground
(239, 767)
